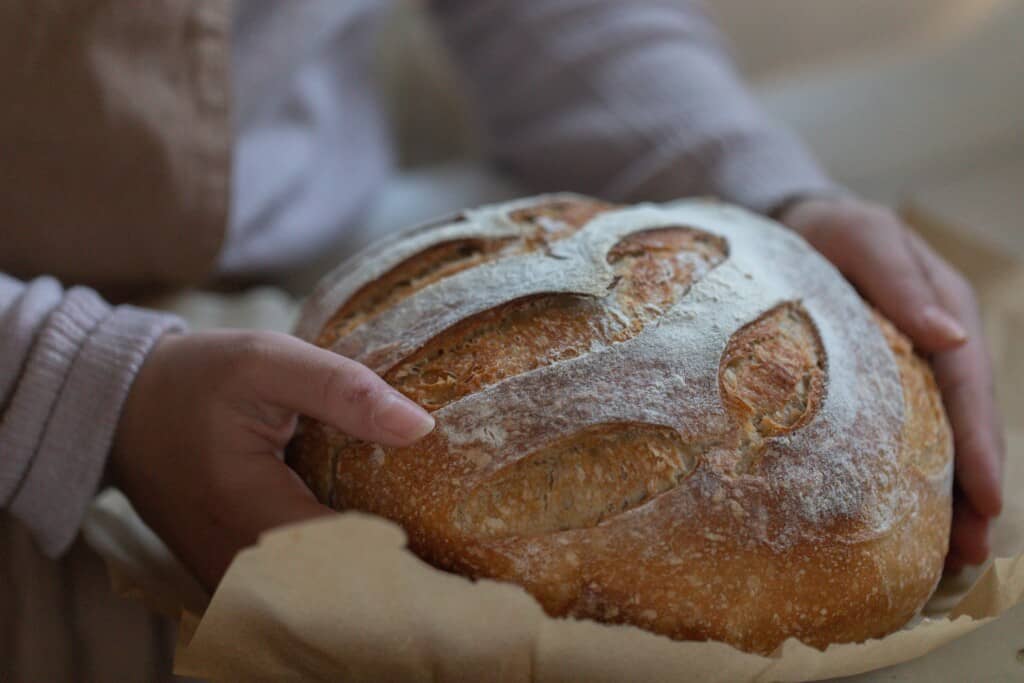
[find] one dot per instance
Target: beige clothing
(114, 139)
(121, 111)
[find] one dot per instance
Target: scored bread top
(676, 360)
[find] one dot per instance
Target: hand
(199, 446)
(932, 304)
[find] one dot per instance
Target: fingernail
(944, 324)
(401, 418)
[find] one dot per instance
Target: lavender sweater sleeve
(67, 360)
(626, 100)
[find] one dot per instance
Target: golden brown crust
(590, 522)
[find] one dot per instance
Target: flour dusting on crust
(667, 375)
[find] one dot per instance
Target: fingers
(968, 539)
(889, 274)
(333, 389)
(260, 494)
(964, 376)
(962, 379)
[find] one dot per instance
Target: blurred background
(893, 97)
(917, 103)
(890, 95)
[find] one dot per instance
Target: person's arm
(191, 426)
(630, 101)
(67, 361)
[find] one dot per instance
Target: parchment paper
(341, 599)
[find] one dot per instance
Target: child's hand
(933, 304)
(198, 448)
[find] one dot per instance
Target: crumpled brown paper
(341, 599)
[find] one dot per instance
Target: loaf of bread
(676, 416)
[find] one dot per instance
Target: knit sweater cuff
(88, 381)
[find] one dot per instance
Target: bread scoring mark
(546, 222)
(410, 276)
(653, 269)
(501, 342)
(772, 374)
(578, 481)
(557, 219)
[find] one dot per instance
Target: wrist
(128, 442)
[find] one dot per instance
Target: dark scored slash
(546, 223)
(653, 270)
(576, 482)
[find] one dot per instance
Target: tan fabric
(114, 170)
(114, 139)
(60, 622)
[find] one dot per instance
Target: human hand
(199, 446)
(932, 304)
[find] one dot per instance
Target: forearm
(67, 360)
(629, 101)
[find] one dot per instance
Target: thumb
(263, 494)
(339, 391)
